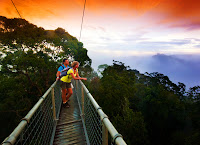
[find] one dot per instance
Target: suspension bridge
(47, 123)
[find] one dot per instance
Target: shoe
(66, 105)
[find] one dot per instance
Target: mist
(179, 68)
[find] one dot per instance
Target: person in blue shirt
(62, 67)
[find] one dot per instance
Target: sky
(148, 35)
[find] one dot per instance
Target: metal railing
(38, 126)
(95, 120)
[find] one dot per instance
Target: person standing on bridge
(65, 65)
(66, 81)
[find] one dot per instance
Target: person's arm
(59, 72)
(57, 75)
(77, 78)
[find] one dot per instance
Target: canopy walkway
(47, 123)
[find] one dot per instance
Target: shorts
(65, 85)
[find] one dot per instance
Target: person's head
(75, 64)
(65, 61)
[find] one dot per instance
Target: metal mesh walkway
(69, 129)
(83, 123)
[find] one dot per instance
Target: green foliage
(132, 126)
(194, 94)
(101, 68)
(163, 112)
(25, 76)
(193, 139)
(165, 108)
(18, 34)
(113, 92)
(116, 80)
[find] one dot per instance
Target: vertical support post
(76, 84)
(21, 138)
(82, 102)
(53, 103)
(104, 134)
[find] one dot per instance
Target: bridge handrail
(116, 137)
(11, 139)
(47, 107)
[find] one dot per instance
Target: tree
(116, 87)
(101, 68)
(18, 34)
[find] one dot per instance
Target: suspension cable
(82, 20)
(16, 9)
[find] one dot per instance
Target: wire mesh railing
(95, 120)
(38, 126)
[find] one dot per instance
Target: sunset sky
(119, 29)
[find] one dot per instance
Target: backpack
(64, 72)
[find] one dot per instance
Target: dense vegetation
(148, 108)
(145, 108)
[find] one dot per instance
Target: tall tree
(116, 89)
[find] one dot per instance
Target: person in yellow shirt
(64, 66)
(66, 82)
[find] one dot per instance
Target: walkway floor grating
(69, 130)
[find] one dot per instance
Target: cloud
(198, 46)
(196, 39)
(180, 14)
(131, 6)
(35, 9)
(169, 11)
(177, 13)
(164, 43)
(179, 68)
(169, 46)
(188, 25)
(180, 8)
(135, 35)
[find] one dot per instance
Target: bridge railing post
(53, 103)
(82, 101)
(76, 85)
(97, 122)
(104, 134)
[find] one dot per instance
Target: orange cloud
(37, 8)
(43, 8)
(182, 13)
(170, 11)
(180, 8)
(132, 7)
